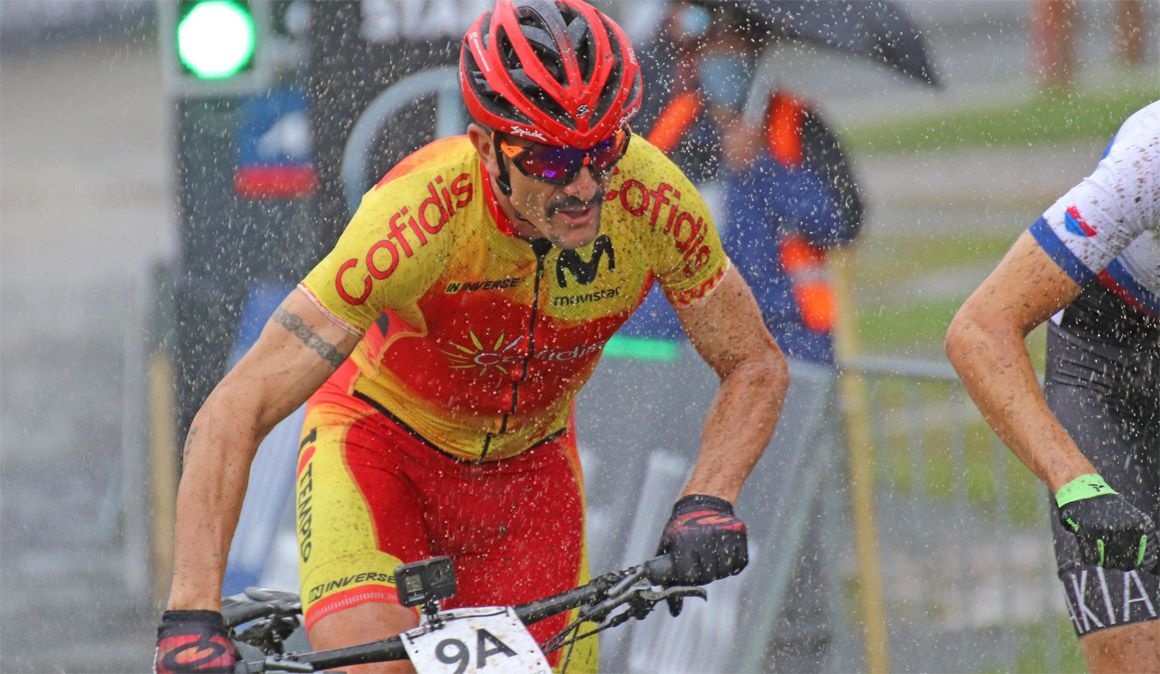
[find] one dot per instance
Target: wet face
(568, 215)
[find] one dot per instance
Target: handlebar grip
(244, 613)
(659, 570)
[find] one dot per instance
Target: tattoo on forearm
(295, 324)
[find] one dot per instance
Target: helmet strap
(503, 180)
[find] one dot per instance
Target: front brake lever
(675, 592)
(674, 597)
(640, 603)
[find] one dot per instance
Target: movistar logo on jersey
(585, 298)
(584, 271)
(471, 286)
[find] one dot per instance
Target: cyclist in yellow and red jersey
(473, 292)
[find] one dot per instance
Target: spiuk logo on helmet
(558, 71)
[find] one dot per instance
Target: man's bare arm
(297, 350)
(985, 343)
(728, 332)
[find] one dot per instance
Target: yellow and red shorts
(371, 496)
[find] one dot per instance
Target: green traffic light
(216, 39)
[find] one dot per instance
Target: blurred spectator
(785, 194)
(786, 190)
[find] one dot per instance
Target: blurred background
(161, 188)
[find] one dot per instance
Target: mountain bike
(462, 640)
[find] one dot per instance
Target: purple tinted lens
(605, 154)
(551, 163)
(561, 164)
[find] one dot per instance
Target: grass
(913, 329)
(902, 310)
(896, 314)
(1038, 118)
(1036, 638)
(916, 330)
(901, 258)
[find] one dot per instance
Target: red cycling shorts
(371, 496)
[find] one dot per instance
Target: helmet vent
(558, 71)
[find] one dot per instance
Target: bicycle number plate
(475, 641)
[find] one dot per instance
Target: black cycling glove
(1111, 532)
(705, 540)
(194, 642)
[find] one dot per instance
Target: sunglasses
(559, 165)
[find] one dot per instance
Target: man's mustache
(572, 203)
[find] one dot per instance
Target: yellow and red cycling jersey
(477, 340)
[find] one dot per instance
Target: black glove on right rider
(194, 642)
(705, 540)
(1111, 532)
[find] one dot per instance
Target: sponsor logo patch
(472, 286)
(322, 589)
(690, 296)
(407, 231)
(1098, 598)
(585, 298)
(504, 354)
(1075, 223)
(305, 495)
(662, 208)
(584, 271)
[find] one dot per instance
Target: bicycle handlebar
(257, 603)
(657, 571)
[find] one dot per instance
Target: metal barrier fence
(639, 426)
(968, 571)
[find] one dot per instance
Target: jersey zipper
(540, 247)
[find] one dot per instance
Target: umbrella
(875, 29)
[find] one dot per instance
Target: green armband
(1084, 486)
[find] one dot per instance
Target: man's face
(566, 214)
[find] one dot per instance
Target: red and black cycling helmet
(553, 71)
